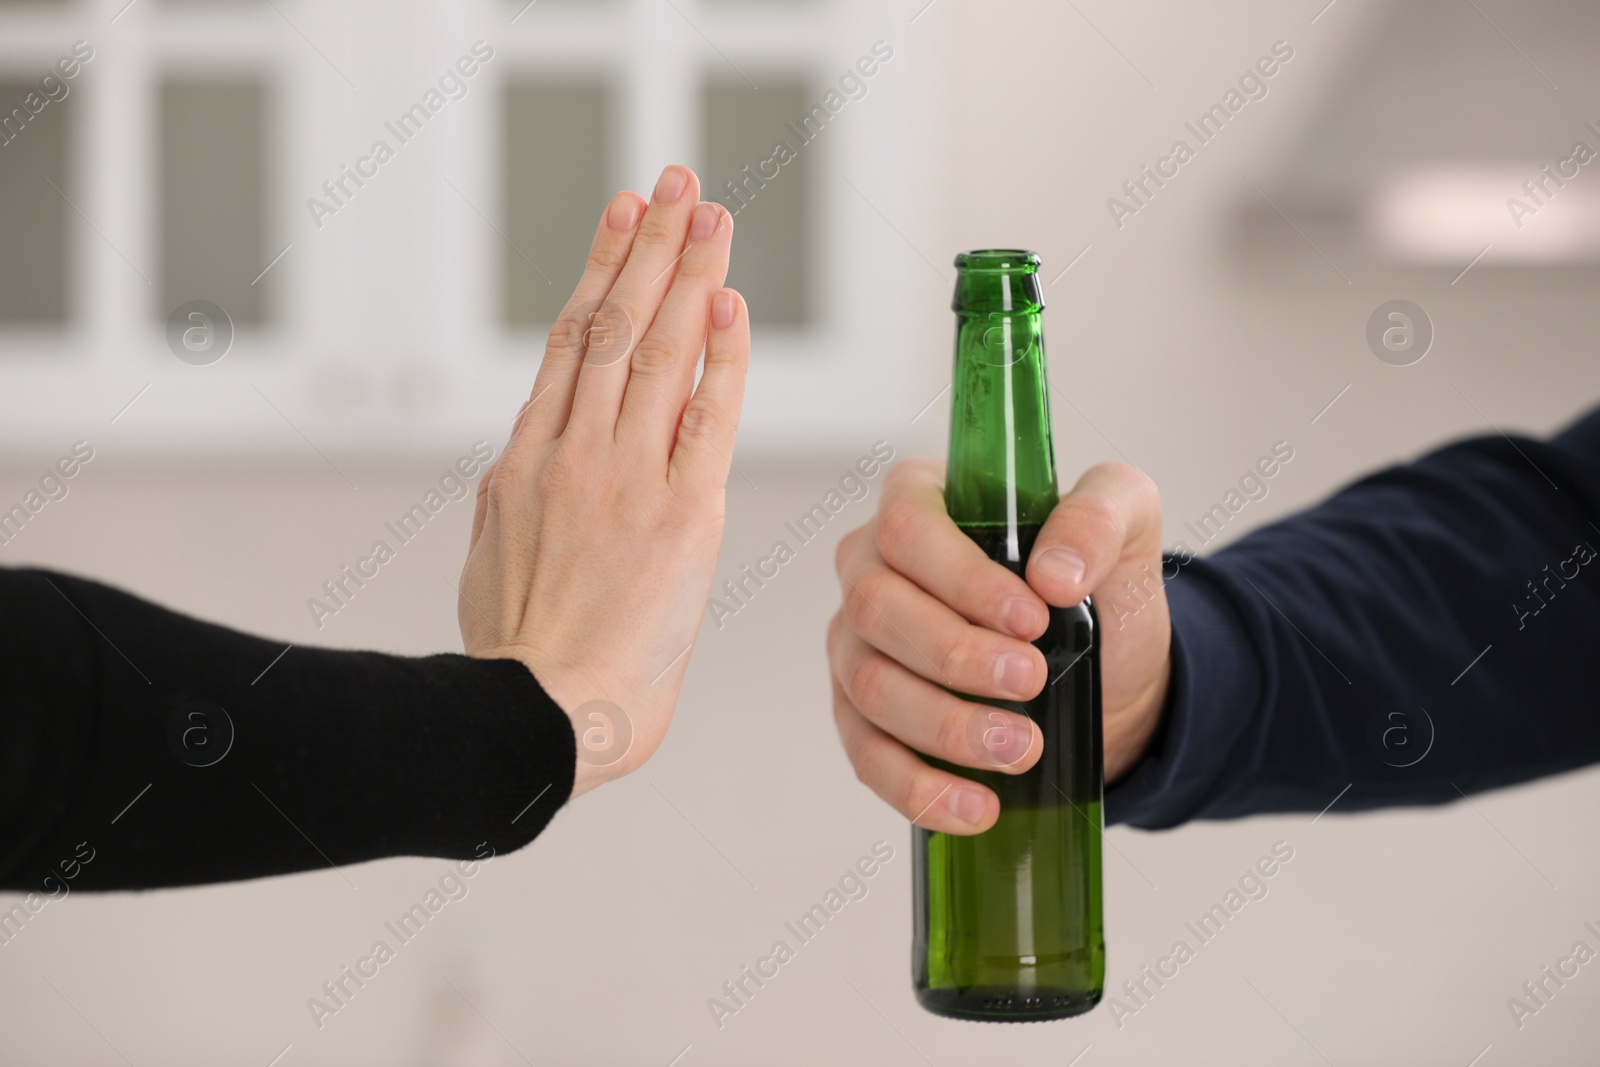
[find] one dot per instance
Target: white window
(225, 151)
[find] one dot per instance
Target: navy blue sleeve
(1430, 631)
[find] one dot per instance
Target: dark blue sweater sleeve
(1430, 631)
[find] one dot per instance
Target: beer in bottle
(1008, 922)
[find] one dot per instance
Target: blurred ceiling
(1461, 129)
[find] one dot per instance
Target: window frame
(329, 363)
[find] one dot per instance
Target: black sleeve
(1430, 631)
(171, 752)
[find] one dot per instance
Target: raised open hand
(596, 534)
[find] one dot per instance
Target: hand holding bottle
(923, 603)
(596, 534)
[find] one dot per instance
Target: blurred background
(361, 333)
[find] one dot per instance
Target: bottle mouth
(1018, 260)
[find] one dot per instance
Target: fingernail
(1061, 565)
(624, 213)
(968, 805)
(704, 223)
(1013, 673)
(1020, 615)
(1001, 739)
(671, 184)
(722, 309)
(1008, 741)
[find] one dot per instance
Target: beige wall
(1389, 939)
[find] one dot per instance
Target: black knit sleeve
(142, 748)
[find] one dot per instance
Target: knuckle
(1125, 508)
(844, 714)
(830, 642)
(899, 526)
(1111, 470)
(956, 659)
(908, 471)
(1146, 494)
(719, 353)
(872, 590)
(656, 228)
(1132, 482)
(556, 477)
(920, 791)
(604, 257)
(1095, 517)
(876, 585)
(654, 354)
(486, 483)
(867, 680)
(701, 416)
(952, 732)
(988, 584)
(869, 760)
(848, 547)
(695, 267)
(563, 339)
(859, 610)
(502, 490)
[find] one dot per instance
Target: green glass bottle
(1008, 922)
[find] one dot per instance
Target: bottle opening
(1011, 260)
(997, 280)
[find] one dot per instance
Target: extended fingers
(931, 798)
(704, 448)
(635, 297)
(550, 401)
(662, 370)
(917, 538)
(1113, 512)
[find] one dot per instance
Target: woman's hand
(596, 534)
(923, 604)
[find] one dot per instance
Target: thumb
(1112, 514)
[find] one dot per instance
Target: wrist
(1126, 745)
(602, 731)
(1214, 699)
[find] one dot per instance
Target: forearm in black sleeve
(335, 757)
(1466, 584)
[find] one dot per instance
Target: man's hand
(924, 605)
(596, 534)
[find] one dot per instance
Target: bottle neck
(1002, 465)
